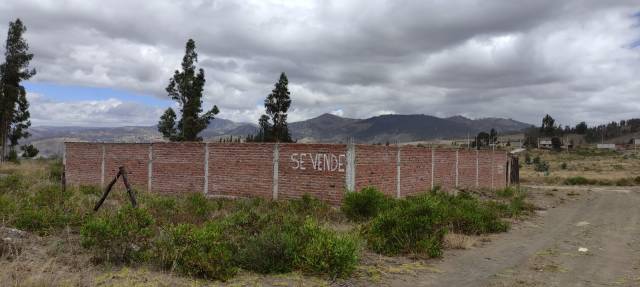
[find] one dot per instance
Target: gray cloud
(519, 59)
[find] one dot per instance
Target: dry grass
(609, 166)
(459, 241)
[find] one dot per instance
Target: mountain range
(324, 128)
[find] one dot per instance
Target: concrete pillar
(102, 166)
(398, 194)
(457, 162)
(206, 168)
(350, 172)
(493, 165)
(433, 167)
(150, 168)
(477, 168)
(276, 160)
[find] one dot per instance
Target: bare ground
(542, 250)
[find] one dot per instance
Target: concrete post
(433, 167)
(276, 161)
(206, 168)
(493, 165)
(150, 168)
(350, 176)
(64, 154)
(477, 168)
(457, 162)
(398, 194)
(102, 166)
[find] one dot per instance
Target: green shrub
(636, 180)
(624, 182)
(311, 206)
(11, 183)
(273, 250)
(365, 204)
(507, 192)
(541, 166)
(563, 165)
(326, 252)
(578, 180)
(198, 205)
(468, 215)
(196, 251)
(55, 170)
(90, 190)
(412, 226)
(44, 210)
(124, 237)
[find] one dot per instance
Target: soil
(580, 236)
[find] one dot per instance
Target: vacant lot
(600, 167)
(576, 236)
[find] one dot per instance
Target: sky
(107, 63)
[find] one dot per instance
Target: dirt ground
(542, 250)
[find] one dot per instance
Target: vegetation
(29, 151)
(14, 107)
(273, 125)
(214, 239)
(186, 87)
(363, 205)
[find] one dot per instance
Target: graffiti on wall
(318, 161)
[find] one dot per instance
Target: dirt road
(585, 237)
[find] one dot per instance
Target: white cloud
(514, 59)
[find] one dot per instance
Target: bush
(577, 180)
(563, 165)
(507, 192)
(417, 224)
(29, 151)
(367, 203)
(272, 250)
(196, 251)
(624, 182)
(326, 252)
(636, 180)
(541, 166)
(55, 170)
(123, 238)
(11, 183)
(43, 210)
(412, 226)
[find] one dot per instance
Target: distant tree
(186, 87)
(493, 136)
(14, 107)
(548, 126)
(581, 128)
(277, 104)
(29, 151)
(482, 139)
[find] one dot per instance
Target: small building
(545, 144)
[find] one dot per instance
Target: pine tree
(276, 105)
(14, 107)
(186, 87)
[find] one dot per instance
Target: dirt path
(544, 251)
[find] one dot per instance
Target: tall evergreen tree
(548, 126)
(276, 105)
(186, 87)
(14, 107)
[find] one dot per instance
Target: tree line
(554, 132)
(186, 88)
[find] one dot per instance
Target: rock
(11, 242)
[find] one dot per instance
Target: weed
(363, 205)
(578, 180)
(563, 165)
(123, 238)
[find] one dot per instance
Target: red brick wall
(376, 166)
(178, 167)
(303, 168)
(135, 157)
(246, 170)
(415, 170)
(83, 163)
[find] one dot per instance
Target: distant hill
(324, 128)
(401, 128)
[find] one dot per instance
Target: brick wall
(283, 170)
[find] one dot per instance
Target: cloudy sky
(108, 64)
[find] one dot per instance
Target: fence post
(350, 176)
(457, 162)
(150, 168)
(477, 168)
(102, 166)
(493, 165)
(433, 167)
(398, 172)
(206, 168)
(276, 160)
